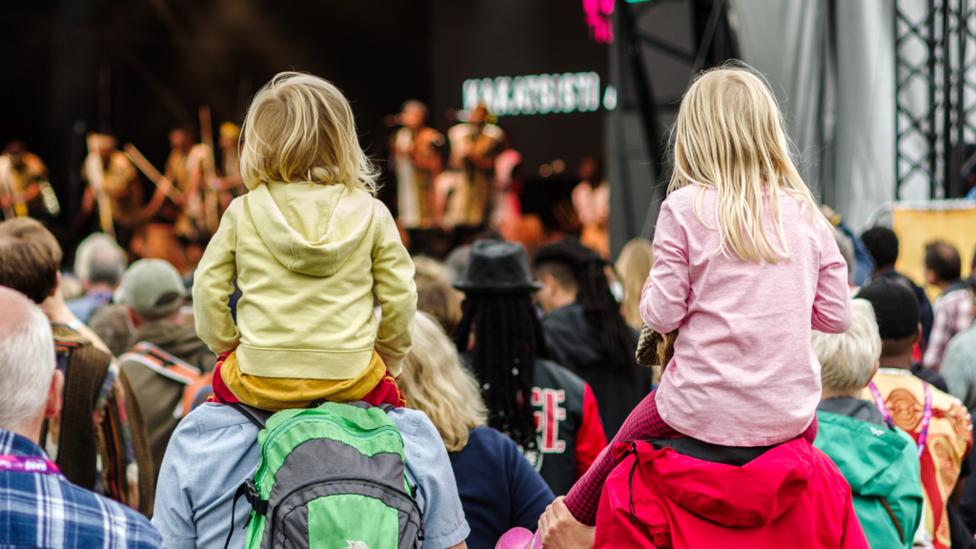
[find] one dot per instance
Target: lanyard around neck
(926, 412)
(26, 464)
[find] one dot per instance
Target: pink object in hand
(519, 538)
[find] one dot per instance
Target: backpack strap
(257, 417)
(162, 363)
(361, 404)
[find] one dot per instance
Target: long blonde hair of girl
(435, 382)
(300, 128)
(729, 136)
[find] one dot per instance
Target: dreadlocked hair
(508, 339)
(594, 295)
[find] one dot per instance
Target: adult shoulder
(550, 373)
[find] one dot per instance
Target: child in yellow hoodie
(312, 251)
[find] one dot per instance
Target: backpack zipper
(630, 482)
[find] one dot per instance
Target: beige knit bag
(653, 349)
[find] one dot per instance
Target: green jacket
(881, 465)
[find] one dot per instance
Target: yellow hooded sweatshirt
(309, 259)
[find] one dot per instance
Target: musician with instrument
(417, 161)
(24, 187)
(475, 144)
(185, 168)
(113, 189)
(228, 183)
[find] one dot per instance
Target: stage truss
(935, 87)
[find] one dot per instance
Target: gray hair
(847, 360)
(26, 359)
(100, 259)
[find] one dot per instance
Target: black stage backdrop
(478, 39)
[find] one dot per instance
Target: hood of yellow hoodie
(310, 228)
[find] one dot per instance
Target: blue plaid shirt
(45, 510)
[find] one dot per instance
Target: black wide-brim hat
(497, 267)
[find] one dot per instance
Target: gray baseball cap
(153, 288)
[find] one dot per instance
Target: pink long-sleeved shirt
(743, 372)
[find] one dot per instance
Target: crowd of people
(311, 383)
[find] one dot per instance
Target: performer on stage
(24, 188)
(417, 161)
(113, 189)
(229, 184)
(591, 198)
(185, 169)
(474, 146)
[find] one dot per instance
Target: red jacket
(790, 496)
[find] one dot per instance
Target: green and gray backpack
(331, 477)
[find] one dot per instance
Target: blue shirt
(215, 449)
(85, 306)
(45, 510)
(499, 487)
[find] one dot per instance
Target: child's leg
(643, 423)
(373, 385)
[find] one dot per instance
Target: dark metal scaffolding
(935, 87)
(661, 45)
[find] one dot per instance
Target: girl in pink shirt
(744, 267)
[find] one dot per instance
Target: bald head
(26, 360)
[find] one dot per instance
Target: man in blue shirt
(38, 506)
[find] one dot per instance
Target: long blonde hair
(633, 266)
(435, 383)
(729, 136)
(300, 127)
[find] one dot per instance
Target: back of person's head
(584, 269)
(298, 128)
(633, 266)
(26, 359)
(441, 301)
(30, 258)
(435, 383)
(848, 360)
(942, 260)
(729, 136)
(153, 289)
(428, 269)
(882, 244)
(100, 260)
(501, 332)
(896, 311)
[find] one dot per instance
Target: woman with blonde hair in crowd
(632, 267)
(499, 489)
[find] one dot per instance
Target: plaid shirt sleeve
(953, 314)
(45, 510)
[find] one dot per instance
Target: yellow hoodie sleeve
(213, 283)
(394, 289)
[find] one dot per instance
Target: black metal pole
(946, 99)
(894, 34)
(645, 102)
(931, 45)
